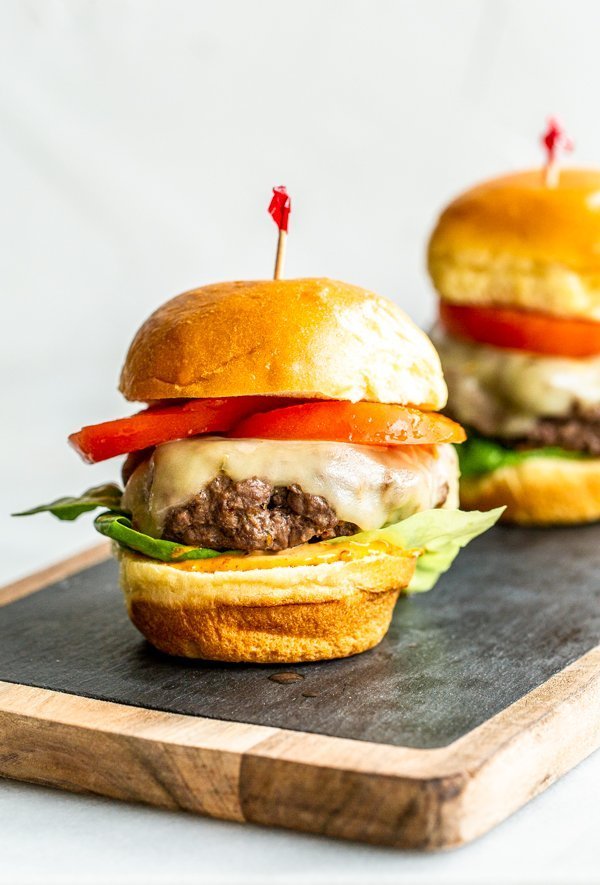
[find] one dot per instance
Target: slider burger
(289, 477)
(516, 262)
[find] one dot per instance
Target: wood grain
(414, 798)
(123, 752)
(427, 799)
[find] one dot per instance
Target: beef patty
(251, 514)
(574, 433)
(579, 431)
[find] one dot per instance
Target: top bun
(312, 338)
(513, 241)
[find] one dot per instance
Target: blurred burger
(516, 263)
(289, 477)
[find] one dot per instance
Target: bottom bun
(538, 491)
(280, 615)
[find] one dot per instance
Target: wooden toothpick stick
(279, 209)
(554, 141)
(280, 257)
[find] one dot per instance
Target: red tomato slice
(161, 423)
(374, 424)
(522, 330)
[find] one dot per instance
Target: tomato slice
(161, 423)
(522, 330)
(375, 424)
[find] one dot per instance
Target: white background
(138, 145)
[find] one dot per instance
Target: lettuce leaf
(478, 455)
(107, 495)
(119, 528)
(439, 534)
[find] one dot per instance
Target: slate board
(518, 607)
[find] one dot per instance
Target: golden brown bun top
(520, 215)
(307, 338)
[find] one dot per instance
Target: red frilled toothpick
(555, 140)
(279, 209)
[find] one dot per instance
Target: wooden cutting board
(484, 692)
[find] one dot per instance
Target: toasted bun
(513, 241)
(307, 338)
(268, 616)
(538, 491)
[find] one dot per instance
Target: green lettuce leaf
(119, 528)
(108, 495)
(437, 534)
(478, 455)
(440, 534)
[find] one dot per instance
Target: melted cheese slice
(370, 486)
(503, 392)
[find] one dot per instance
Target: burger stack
(516, 263)
(289, 476)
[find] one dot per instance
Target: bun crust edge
(309, 338)
(513, 242)
(269, 616)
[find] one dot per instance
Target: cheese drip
(370, 486)
(502, 392)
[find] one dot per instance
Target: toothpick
(280, 257)
(280, 208)
(554, 140)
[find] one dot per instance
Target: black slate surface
(517, 607)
